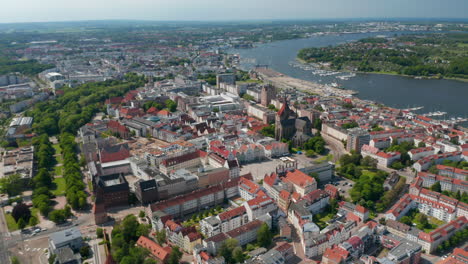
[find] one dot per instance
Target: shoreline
(281, 80)
(389, 73)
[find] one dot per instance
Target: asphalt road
(4, 258)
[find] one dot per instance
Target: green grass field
(58, 152)
(58, 170)
(11, 223)
(60, 186)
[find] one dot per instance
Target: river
(396, 91)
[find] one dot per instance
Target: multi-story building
(426, 180)
(430, 241)
(185, 161)
(156, 251)
(323, 170)
(386, 133)
(380, 143)
(244, 234)
(261, 205)
(458, 256)
(248, 189)
(302, 183)
(357, 137)
(384, 159)
(452, 172)
(267, 94)
(425, 163)
(224, 222)
(430, 203)
(419, 153)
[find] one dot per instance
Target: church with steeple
(291, 127)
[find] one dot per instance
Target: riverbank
(392, 73)
(284, 81)
(446, 95)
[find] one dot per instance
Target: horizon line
(441, 19)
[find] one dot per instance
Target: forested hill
(435, 55)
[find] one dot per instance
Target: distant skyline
(13, 11)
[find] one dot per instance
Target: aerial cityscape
(205, 132)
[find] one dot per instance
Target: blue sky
(209, 10)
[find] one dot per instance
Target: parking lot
(343, 185)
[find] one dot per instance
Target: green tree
(141, 214)
(227, 248)
(317, 124)
(15, 260)
(58, 216)
(21, 224)
(422, 221)
(99, 232)
(264, 236)
(171, 105)
(436, 187)
(21, 211)
(33, 221)
(161, 236)
(85, 252)
(12, 185)
(238, 255)
(369, 162)
(268, 131)
(421, 144)
(406, 220)
(175, 255)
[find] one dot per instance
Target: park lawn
(60, 186)
(328, 157)
(59, 159)
(58, 170)
(371, 174)
(11, 223)
(58, 152)
(58, 149)
(325, 218)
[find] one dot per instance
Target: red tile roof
(162, 253)
(249, 186)
(336, 254)
(232, 213)
(444, 230)
(255, 224)
(121, 154)
(270, 179)
(299, 178)
(459, 256)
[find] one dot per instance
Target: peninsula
(429, 55)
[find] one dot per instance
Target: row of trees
(457, 238)
(65, 115)
(391, 195)
(78, 105)
(76, 196)
(42, 182)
